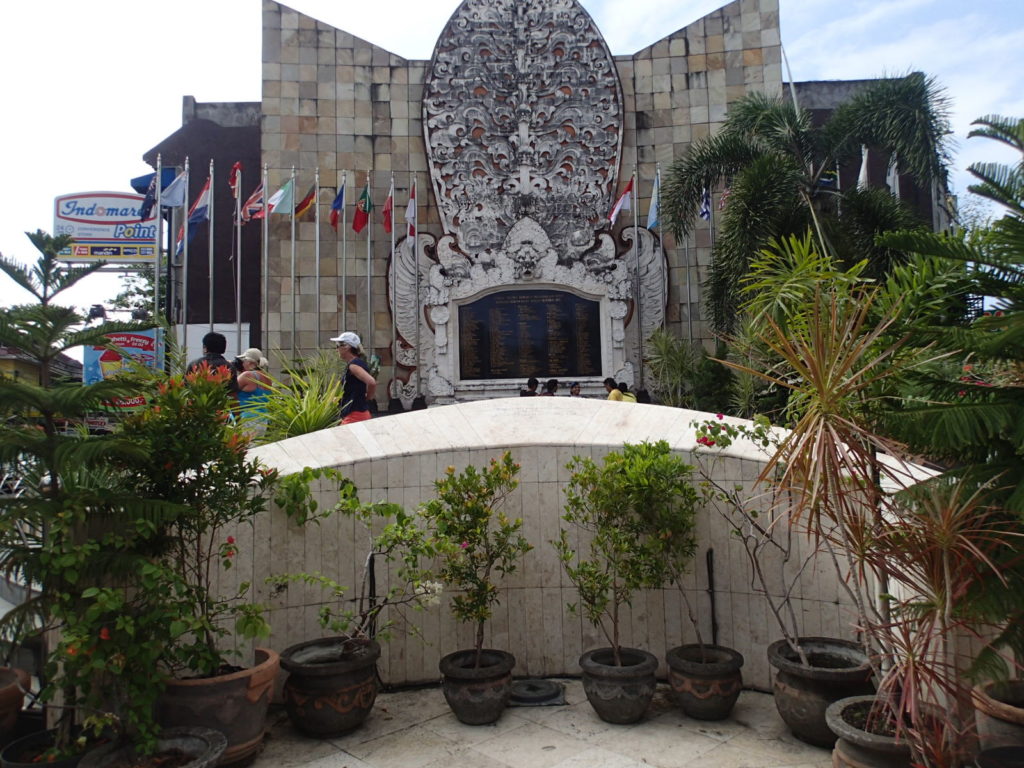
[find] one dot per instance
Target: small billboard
(104, 225)
(100, 362)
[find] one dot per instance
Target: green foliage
(479, 541)
(402, 544)
(635, 512)
(307, 401)
(773, 156)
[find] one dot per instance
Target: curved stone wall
(398, 458)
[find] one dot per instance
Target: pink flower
(464, 544)
(104, 634)
(719, 415)
(231, 539)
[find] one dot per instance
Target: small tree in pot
(479, 542)
(635, 507)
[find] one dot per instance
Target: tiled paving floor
(415, 729)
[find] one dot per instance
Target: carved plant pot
(619, 695)
(839, 668)
(999, 713)
(705, 680)
(477, 695)
(856, 747)
(234, 704)
(330, 688)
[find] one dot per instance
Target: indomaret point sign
(104, 225)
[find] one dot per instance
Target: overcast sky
(89, 87)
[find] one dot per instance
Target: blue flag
(705, 205)
(148, 201)
(652, 212)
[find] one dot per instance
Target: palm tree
(774, 159)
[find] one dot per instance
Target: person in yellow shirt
(627, 396)
(614, 393)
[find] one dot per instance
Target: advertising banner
(98, 363)
(104, 225)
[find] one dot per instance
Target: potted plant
(612, 506)
(77, 526)
(196, 459)
(479, 542)
(332, 681)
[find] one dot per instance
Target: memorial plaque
(518, 334)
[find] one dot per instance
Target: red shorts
(355, 416)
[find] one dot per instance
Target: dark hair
(551, 386)
(532, 382)
(611, 382)
(215, 343)
(623, 387)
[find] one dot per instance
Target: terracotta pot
(203, 745)
(855, 747)
(330, 690)
(999, 713)
(477, 695)
(839, 669)
(705, 680)
(619, 694)
(234, 704)
(13, 684)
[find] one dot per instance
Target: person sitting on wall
(614, 393)
(574, 389)
(253, 382)
(358, 385)
(531, 388)
(214, 345)
(627, 396)
(550, 388)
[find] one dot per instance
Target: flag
(705, 205)
(253, 207)
(148, 201)
(282, 199)
(623, 202)
(363, 208)
(723, 199)
(389, 208)
(306, 203)
(233, 178)
(862, 178)
(197, 214)
(652, 212)
(173, 195)
(337, 206)
(410, 211)
(892, 176)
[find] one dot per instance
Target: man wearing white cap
(358, 383)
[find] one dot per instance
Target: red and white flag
(234, 178)
(253, 207)
(389, 208)
(410, 211)
(624, 202)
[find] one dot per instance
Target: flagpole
(316, 248)
(344, 255)
(238, 258)
(394, 294)
(265, 248)
(416, 265)
(636, 260)
(292, 204)
(369, 274)
(184, 260)
(209, 242)
(689, 303)
(156, 241)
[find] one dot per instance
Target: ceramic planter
(619, 694)
(705, 680)
(330, 688)
(856, 747)
(204, 746)
(839, 669)
(24, 752)
(999, 713)
(234, 704)
(477, 695)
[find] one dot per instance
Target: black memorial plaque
(516, 334)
